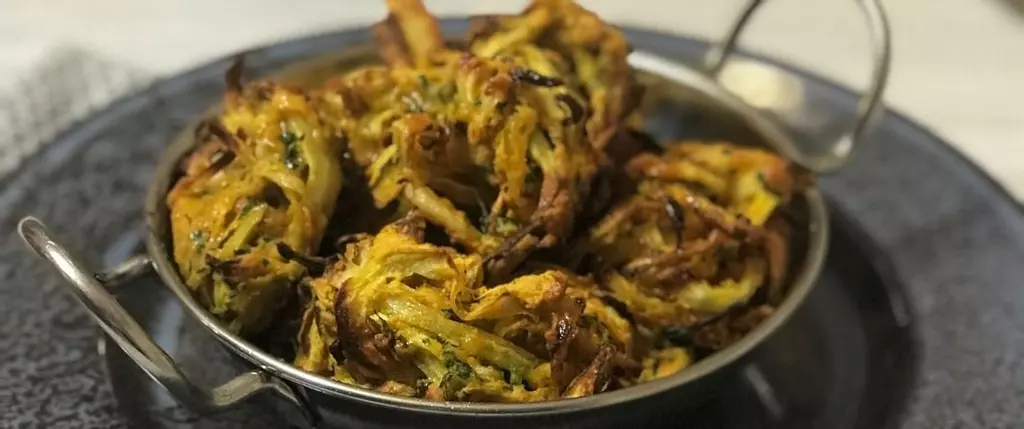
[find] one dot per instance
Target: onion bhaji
(265, 177)
(698, 238)
(493, 264)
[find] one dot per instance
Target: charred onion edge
(675, 215)
(576, 111)
(314, 264)
(525, 75)
(510, 242)
(233, 77)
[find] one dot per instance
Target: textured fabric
(63, 88)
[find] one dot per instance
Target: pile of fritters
(478, 223)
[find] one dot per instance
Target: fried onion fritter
(502, 135)
(266, 174)
(507, 233)
(396, 309)
(699, 237)
(562, 33)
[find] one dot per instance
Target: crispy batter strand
(507, 232)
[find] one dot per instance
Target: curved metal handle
(90, 289)
(870, 105)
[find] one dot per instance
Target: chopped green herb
(290, 139)
(292, 159)
(458, 375)
(505, 226)
(446, 92)
(198, 238)
(515, 378)
(455, 366)
(424, 83)
(249, 205)
(265, 262)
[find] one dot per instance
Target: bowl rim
(802, 282)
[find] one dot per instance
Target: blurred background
(958, 64)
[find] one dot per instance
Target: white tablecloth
(959, 64)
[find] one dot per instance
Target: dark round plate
(915, 322)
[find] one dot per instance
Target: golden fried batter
(698, 238)
(396, 309)
(479, 132)
(505, 236)
(266, 175)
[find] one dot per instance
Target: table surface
(958, 64)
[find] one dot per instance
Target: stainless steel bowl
(317, 401)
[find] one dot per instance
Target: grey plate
(914, 219)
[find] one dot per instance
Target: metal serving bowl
(312, 400)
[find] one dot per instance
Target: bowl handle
(91, 290)
(870, 105)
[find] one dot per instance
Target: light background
(958, 69)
